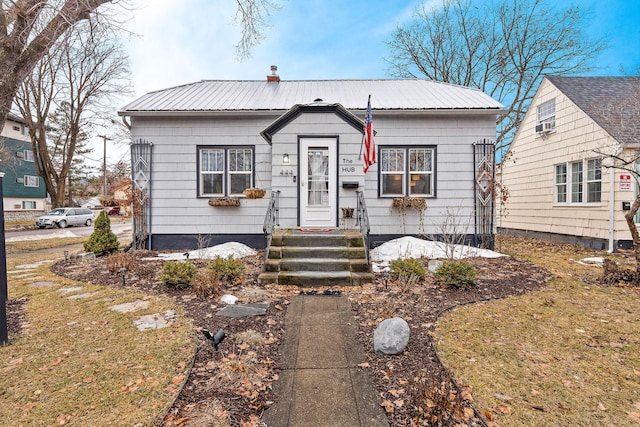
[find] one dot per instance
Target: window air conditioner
(539, 128)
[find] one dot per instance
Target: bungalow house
(24, 192)
(197, 148)
(558, 170)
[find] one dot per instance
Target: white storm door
(318, 195)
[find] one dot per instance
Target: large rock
(391, 336)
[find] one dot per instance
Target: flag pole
(362, 140)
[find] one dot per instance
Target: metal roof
(260, 95)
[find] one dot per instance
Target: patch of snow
(233, 249)
(411, 247)
(228, 299)
(592, 262)
(57, 235)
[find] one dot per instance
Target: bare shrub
(206, 283)
(119, 260)
(435, 400)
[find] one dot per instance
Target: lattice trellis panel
(141, 177)
(485, 161)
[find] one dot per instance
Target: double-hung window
(407, 171)
(31, 181)
(547, 113)
(572, 184)
(225, 171)
(594, 180)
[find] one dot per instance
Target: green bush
(178, 274)
(409, 267)
(227, 270)
(459, 274)
(102, 241)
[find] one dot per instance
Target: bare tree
(253, 16)
(28, 29)
(84, 70)
(502, 47)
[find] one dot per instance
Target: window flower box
(408, 202)
(224, 201)
(254, 193)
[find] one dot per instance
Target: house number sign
(348, 165)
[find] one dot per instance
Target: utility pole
(104, 164)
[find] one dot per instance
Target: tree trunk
(629, 216)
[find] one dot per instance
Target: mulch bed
(420, 305)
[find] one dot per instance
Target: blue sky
(185, 41)
(190, 40)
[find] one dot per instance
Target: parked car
(113, 210)
(64, 217)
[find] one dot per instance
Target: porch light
(285, 159)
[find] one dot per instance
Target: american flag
(369, 145)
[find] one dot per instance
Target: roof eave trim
(299, 109)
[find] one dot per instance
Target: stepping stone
(24, 275)
(82, 296)
(69, 290)
(42, 284)
(129, 307)
(34, 265)
(244, 310)
(155, 321)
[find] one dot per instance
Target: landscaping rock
(82, 256)
(391, 336)
(244, 310)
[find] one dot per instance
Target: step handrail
(362, 219)
(271, 220)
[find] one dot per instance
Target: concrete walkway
(321, 383)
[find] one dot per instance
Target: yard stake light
(123, 273)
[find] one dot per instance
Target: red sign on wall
(625, 182)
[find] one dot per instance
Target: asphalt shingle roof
(260, 95)
(612, 102)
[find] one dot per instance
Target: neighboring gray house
(198, 146)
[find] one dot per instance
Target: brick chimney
(274, 77)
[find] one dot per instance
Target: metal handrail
(362, 219)
(271, 220)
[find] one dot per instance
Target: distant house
(197, 148)
(558, 183)
(24, 192)
(122, 195)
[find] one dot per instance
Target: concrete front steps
(316, 258)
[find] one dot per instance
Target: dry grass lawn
(567, 355)
(79, 363)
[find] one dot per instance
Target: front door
(318, 195)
